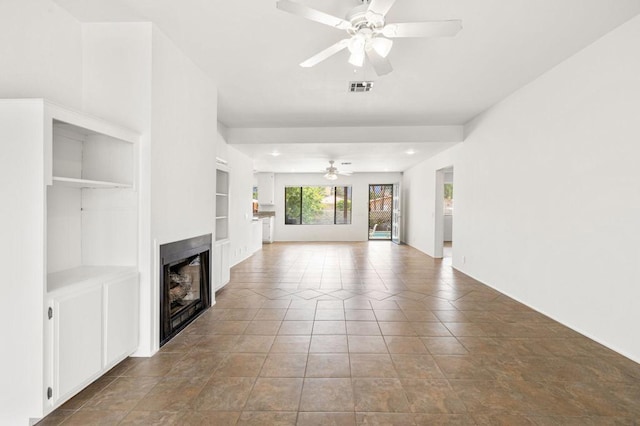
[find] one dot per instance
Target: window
(448, 199)
(317, 205)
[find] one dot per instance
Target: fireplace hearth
(184, 283)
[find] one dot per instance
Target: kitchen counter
(261, 215)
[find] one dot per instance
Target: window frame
(448, 211)
(299, 219)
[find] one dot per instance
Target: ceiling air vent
(360, 86)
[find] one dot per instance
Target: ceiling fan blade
(345, 173)
(330, 51)
(380, 7)
(381, 65)
(423, 29)
(312, 14)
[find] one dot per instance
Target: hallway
(364, 333)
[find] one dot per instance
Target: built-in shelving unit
(222, 247)
(222, 205)
(73, 225)
(92, 203)
(91, 288)
(70, 234)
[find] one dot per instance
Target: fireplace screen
(184, 284)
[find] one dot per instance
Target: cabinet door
(217, 270)
(267, 229)
(221, 272)
(266, 189)
(121, 319)
(225, 271)
(77, 341)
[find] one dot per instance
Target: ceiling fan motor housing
(361, 17)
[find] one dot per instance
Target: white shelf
(84, 183)
(222, 182)
(85, 274)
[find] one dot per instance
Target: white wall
(22, 228)
(40, 52)
(116, 73)
(135, 76)
(419, 201)
(240, 207)
(183, 145)
(359, 228)
(548, 193)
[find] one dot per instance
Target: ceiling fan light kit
(381, 45)
(331, 176)
(357, 58)
(369, 34)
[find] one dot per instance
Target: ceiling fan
(332, 172)
(369, 34)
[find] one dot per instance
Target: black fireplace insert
(185, 284)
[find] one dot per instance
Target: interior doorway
(443, 243)
(380, 211)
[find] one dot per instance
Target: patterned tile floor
(364, 333)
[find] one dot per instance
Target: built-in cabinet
(266, 189)
(93, 327)
(222, 246)
(92, 249)
(77, 347)
(221, 257)
(256, 235)
(267, 229)
(82, 217)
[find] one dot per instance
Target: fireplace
(184, 283)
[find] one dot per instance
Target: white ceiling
(308, 158)
(253, 50)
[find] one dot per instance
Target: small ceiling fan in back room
(369, 34)
(332, 172)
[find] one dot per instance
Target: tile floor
(364, 333)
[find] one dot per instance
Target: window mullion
(301, 203)
(335, 203)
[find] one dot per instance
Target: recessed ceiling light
(275, 153)
(410, 152)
